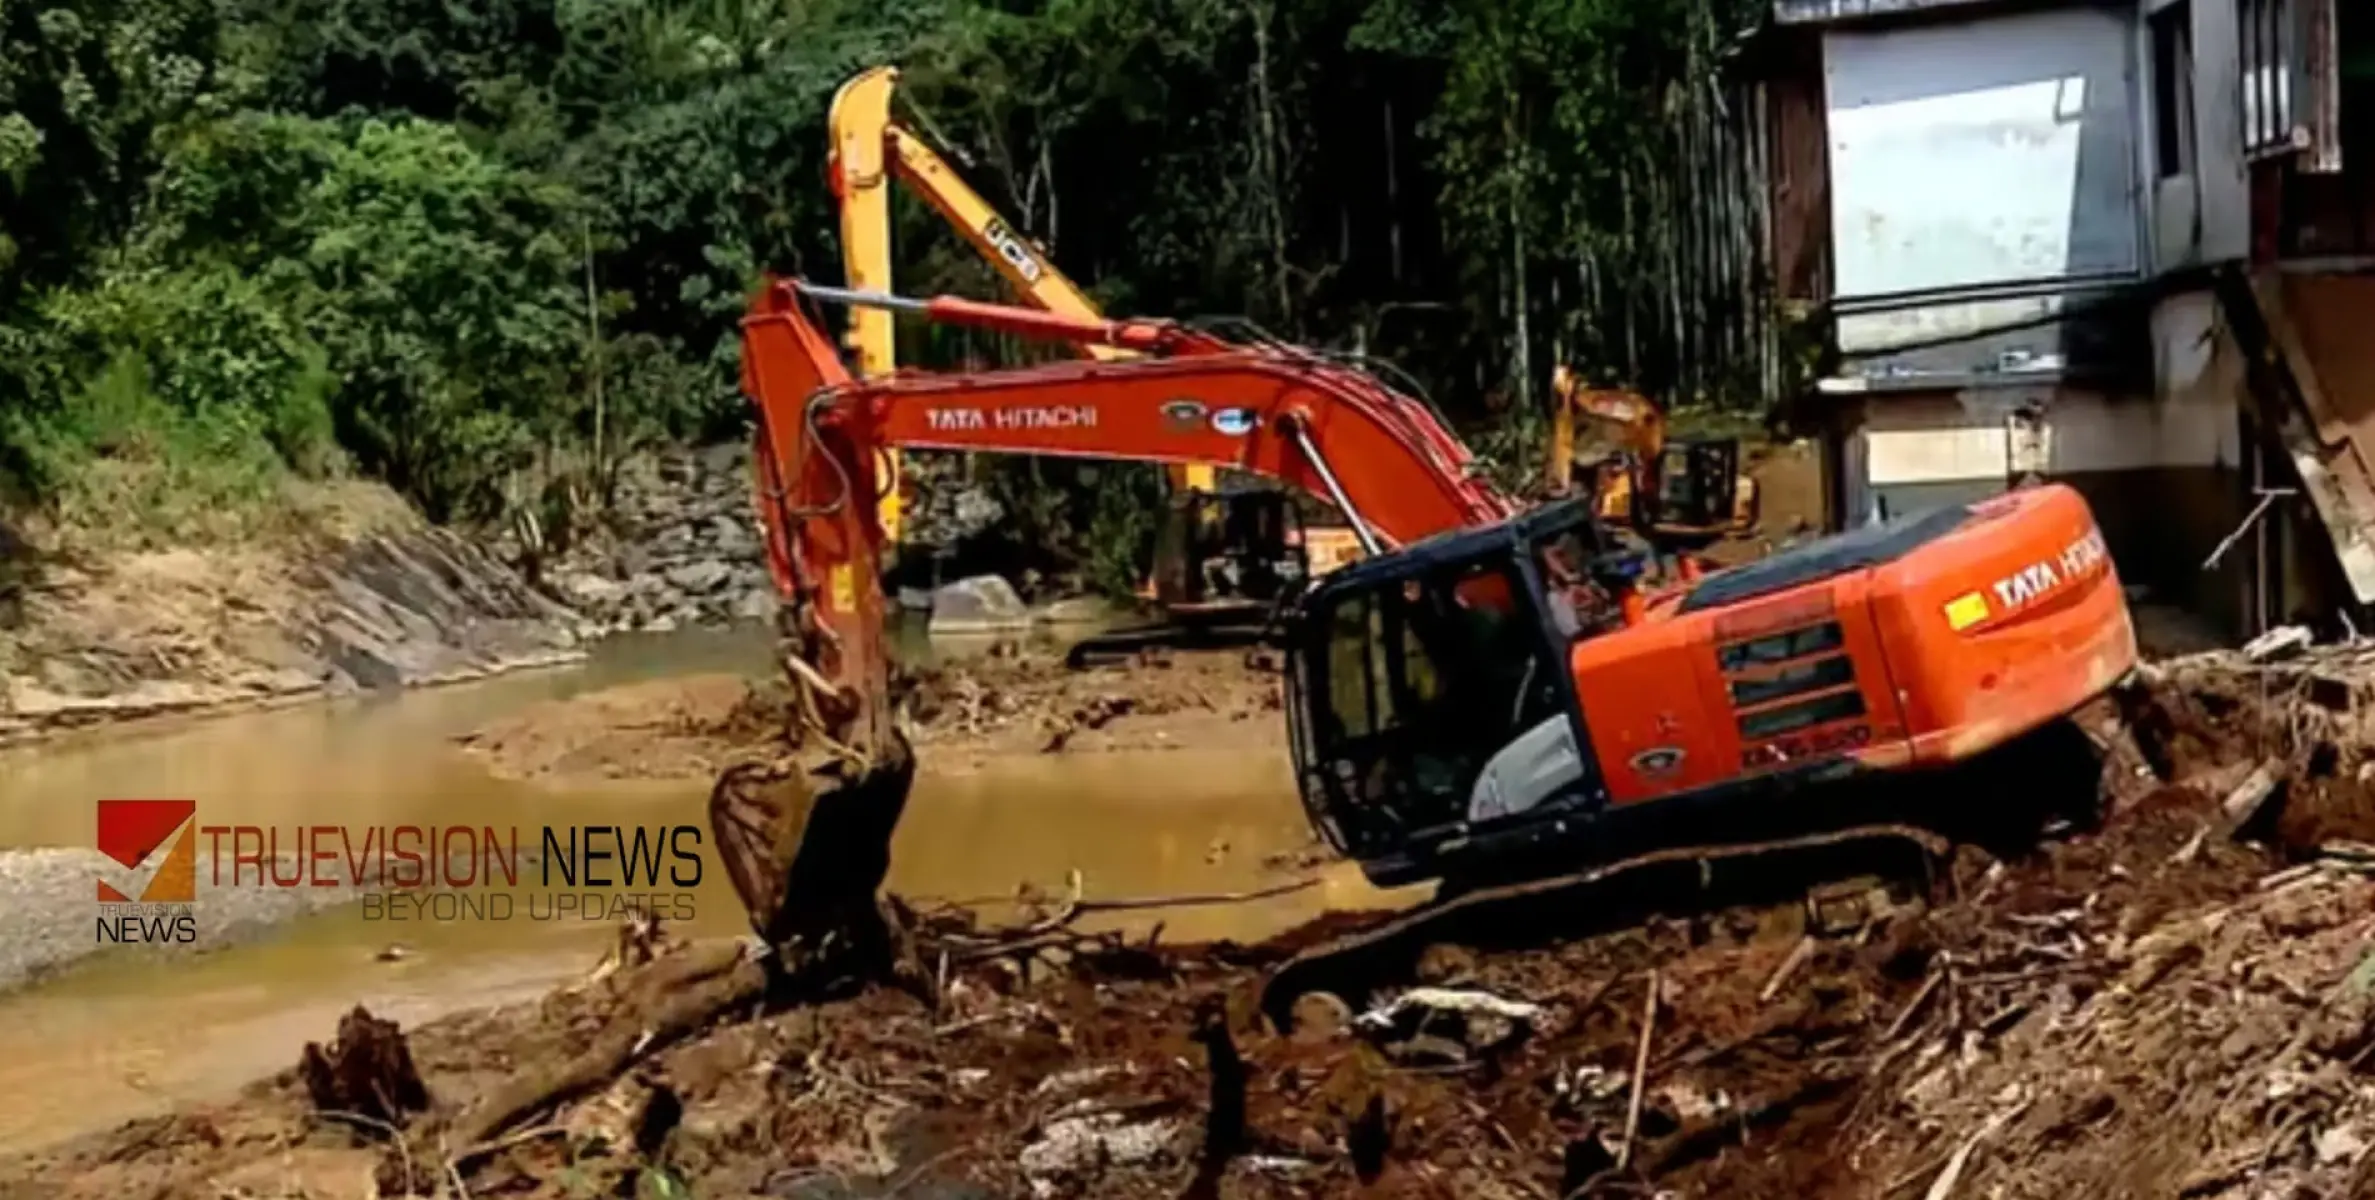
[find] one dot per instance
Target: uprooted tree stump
(660, 1003)
(365, 1072)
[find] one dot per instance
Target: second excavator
(1224, 553)
(1491, 690)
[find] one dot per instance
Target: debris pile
(2178, 1001)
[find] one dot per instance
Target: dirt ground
(2174, 997)
(1010, 701)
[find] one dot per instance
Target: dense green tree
(463, 245)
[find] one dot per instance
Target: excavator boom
(870, 150)
(1385, 460)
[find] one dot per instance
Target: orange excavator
(1489, 686)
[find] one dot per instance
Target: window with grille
(2268, 43)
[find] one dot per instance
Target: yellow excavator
(1222, 556)
(1691, 491)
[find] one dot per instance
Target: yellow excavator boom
(869, 150)
(1639, 428)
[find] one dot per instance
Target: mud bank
(378, 600)
(1021, 702)
(2174, 998)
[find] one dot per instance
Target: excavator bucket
(806, 838)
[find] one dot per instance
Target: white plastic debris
(2341, 1144)
(1472, 1003)
(2282, 642)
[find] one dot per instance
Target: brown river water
(121, 1035)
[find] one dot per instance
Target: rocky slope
(375, 598)
(682, 547)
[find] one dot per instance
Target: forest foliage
(430, 240)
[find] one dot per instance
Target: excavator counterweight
(1491, 690)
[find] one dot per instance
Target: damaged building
(2129, 246)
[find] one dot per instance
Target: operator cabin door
(1428, 678)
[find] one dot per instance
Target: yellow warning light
(1966, 610)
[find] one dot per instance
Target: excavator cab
(1230, 550)
(1429, 691)
(1226, 561)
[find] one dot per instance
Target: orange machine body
(1982, 631)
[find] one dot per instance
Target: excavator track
(1351, 965)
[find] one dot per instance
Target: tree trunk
(1266, 146)
(1522, 349)
(1393, 199)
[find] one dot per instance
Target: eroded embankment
(362, 596)
(2177, 1001)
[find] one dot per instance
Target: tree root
(366, 1071)
(661, 1003)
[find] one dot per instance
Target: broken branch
(1649, 1025)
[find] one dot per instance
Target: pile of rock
(683, 549)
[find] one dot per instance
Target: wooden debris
(662, 1002)
(1649, 1025)
(1789, 966)
(2249, 797)
(366, 1071)
(1929, 987)
(1224, 1121)
(1943, 1186)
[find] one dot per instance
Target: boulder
(981, 603)
(585, 587)
(757, 604)
(700, 576)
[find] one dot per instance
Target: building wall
(1997, 190)
(2201, 205)
(2161, 473)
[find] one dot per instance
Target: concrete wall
(1994, 436)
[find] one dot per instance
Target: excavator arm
(870, 149)
(1383, 459)
(1186, 399)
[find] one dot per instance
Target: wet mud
(2172, 995)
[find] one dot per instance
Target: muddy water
(123, 1034)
